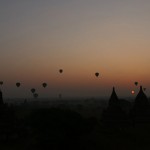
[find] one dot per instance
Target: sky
(37, 38)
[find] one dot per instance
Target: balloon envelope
(44, 85)
(18, 84)
(96, 74)
(60, 96)
(35, 95)
(60, 70)
(32, 90)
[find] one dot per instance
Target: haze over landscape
(74, 74)
(37, 38)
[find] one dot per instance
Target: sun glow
(133, 92)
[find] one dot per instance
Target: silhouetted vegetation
(89, 124)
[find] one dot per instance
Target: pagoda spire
(1, 97)
(113, 101)
(141, 100)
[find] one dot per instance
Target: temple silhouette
(7, 121)
(140, 113)
(1, 98)
(141, 101)
(61, 127)
(113, 115)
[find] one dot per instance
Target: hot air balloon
(61, 70)
(35, 95)
(144, 89)
(44, 85)
(33, 90)
(136, 83)
(96, 74)
(60, 96)
(1, 82)
(18, 84)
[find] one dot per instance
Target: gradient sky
(37, 38)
